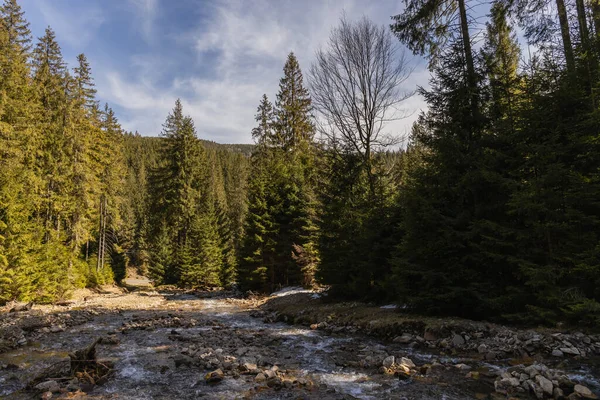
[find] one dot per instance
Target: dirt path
(162, 345)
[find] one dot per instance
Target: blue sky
(218, 56)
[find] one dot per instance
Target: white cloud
(240, 51)
(145, 11)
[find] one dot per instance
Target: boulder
(48, 386)
(388, 361)
(557, 353)
(545, 384)
(215, 376)
(584, 392)
(458, 341)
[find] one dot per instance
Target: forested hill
(490, 211)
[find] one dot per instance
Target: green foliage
(281, 233)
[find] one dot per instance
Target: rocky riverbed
(173, 344)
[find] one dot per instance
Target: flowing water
(145, 359)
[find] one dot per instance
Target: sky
(217, 56)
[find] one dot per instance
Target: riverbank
(164, 344)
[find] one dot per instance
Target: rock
(458, 340)
(570, 350)
(558, 393)
(260, 378)
(506, 385)
(584, 392)
(404, 339)
(429, 336)
(248, 368)
(539, 393)
(274, 382)
(46, 395)
(472, 375)
(269, 374)
(182, 360)
(463, 367)
(214, 376)
(407, 362)
(21, 307)
(482, 348)
(491, 355)
(48, 386)
(388, 361)
(545, 384)
(56, 329)
(557, 353)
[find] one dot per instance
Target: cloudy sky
(218, 56)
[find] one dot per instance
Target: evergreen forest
(489, 208)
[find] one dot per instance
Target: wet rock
(506, 385)
(429, 336)
(259, 378)
(46, 395)
(404, 339)
(482, 348)
(183, 361)
(584, 392)
(558, 393)
(274, 382)
(48, 386)
(463, 367)
(458, 341)
(110, 339)
(214, 377)
(388, 361)
(545, 384)
(570, 350)
(557, 353)
(248, 368)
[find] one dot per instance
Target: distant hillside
(245, 149)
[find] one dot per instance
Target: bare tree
(356, 88)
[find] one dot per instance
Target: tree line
(490, 209)
(81, 200)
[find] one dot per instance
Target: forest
(489, 209)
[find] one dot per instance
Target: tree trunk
(566, 36)
(471, 77)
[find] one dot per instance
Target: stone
(570, 350)
(472, 375)
(407, 362)
(274, 382)
(429, 336)
(56, 329)
(248, 368)
(215, 376)
(545, 384)
(404, 339)
(491, 355)
(260, 378)
(46, 395)
(48, 386)
(558, 393)
(182, 360)
(482, 348)
(584, 392)
(557, 353)
(463, 367)
(458, 340)
(506, 385)
(388, 361)
(269, 374)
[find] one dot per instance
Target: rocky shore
(164, 344)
